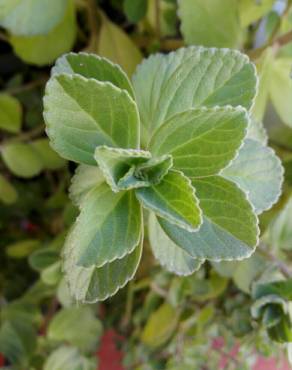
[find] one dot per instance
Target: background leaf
(10, 113)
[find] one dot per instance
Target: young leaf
(200, 23)
(201, 141)
(189, 78)
(43, 49)
(93, 66)
(93, 284)
(31, 17)
(85, 179)
(10, 113)
(230, 227)
(77, 326)
(108, 227)
(281, 88)
(258, 171)
(8, 194)
(82, 114)
(68, 358)
(115, 44)
(116, 162)
(174, 199)
(172, 257)
(22, 159)
(155, 168)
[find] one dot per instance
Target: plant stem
(157, 19)
(93, 25)
(29, 86)
(286, 271)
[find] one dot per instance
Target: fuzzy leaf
(172, 257)
(31, 17)
(201, 141)
(85, 179)
(116, 162)
(230, 228)
(108, 227)
(189, 78)
(93, 284)
(155, 169)
(10, 113)
(43, 49)
(82, 114)
(258, 171)
(173, 199)
(200, 26)
(93, 66)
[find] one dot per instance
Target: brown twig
(157, 18)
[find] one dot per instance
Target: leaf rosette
(171, 142)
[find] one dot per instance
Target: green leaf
(43, 49)
(160, 326)
(108, 227)
(230, 228)
(190, 78)
(172, 257)
(43, 258)
(279, 232)
(115, 44)
(257, 171)
(52, 274)
(252, 10)
(21, 159)
(31, 17)
(49, 158)
(93, 284)
(201, 141)
(77, 326)
(200, 22)
(82, 114)
(85, 179)
(174, 199)
(8, 194)
(256, 131)
(10, 113)
(68, 358)
(154, 169)
(22, 248)
(135, 10)
(281, 288)
(93, 66)
(116, 162)
(281, 88)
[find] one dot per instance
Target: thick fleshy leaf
(82, 114)
(31, 17)
(116, 162)
(174, 199)
(43, 49)
(10, 113)
(93, 66)
(155, 169)
(189, 78)
(281, 88)
(108, 227)
(172, 257)
(201, 141)
(85, 179)
(93, 284)
(230, 227)
(200, 26)
(258, 171)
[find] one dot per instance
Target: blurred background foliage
(225, 314)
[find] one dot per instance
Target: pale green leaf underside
(94, 284)
(116, 162)
(189, 78)
(43, 49)
(108, 227)
(258, 171)
(82, 114)
(170, 256)
(93, 66)
(84, 179)
(31, 17)
(230, 228)
(10, 113)
(201, 141)
(174, 199)
(155, 169)
(200, 23)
